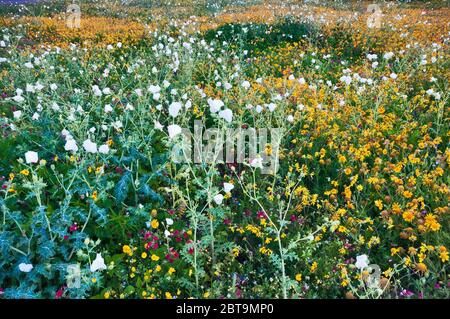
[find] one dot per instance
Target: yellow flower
(431, 222)
(25, 172)
(443, 254)
(408, 216)
(313, 267)
(298, 277)
(155, 224)
(407, 194)
(106, 295)
(168, 295)
(127, 250)
(379, 204)
(171, 271)
(421, 267)
(155, 257)
(144, 255)
(206, 294)
(158, 268)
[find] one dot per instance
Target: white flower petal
(218, 199)
(173, 130)
(227, 187)
(215, 105)
(23, 267)
(174, 108)
(227, 115)
(71, 145)
(90, 146)
(104, 149)
(361, 261)
(31, 157)
(98, 263)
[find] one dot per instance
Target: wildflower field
(224, 149)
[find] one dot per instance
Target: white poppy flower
(55, 106)
(169, 221)
(271, 107)
(17, 114)
(361, 261)
(173, 130)
(388, 55)
(227, 115)
(38, 86)
(71, 145)
(257, 163)
(215, 105)
(158, 126)
(218, 199)
(227, 187)
(167, 233)
(96, 90)
(53, 86)
(156, 96)
(104, 149)
(108, 108)
(174, 108)
(30, 88)
(90, 146)
(246, 85)
(31, 157)
(258, 108)
(290, 118)
(117, 125)
(154, 89)
(23, 267)
(98, 263)
(346, 79)
(18, 98)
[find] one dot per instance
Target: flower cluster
(95, 202)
